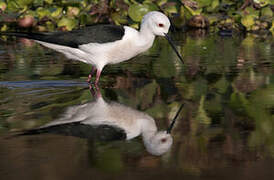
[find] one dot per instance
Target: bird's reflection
(108, 121)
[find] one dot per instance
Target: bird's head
(157, 22)
(159, 144)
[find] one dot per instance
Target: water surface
(226, 128)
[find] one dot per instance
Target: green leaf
(50, 26)
(222, 85)
(203, 3)
(37, 3)
(49, 1)
(263, 97)
(248, 21)
(137, 11)
(118, 19)
(185, 13)
(248, 42)
(42, 12)
(12, 5)
(262, 3)
(161, 2)
(147, 93)
(213, 6)
(157, 111)
(110, 160)
(135, 26)
(170, 9)
(3, 6)
(251, 11)
(194, 12)
(56, 12)
(228, 2)
(272, 27)
(68, 23)
(266, 12)
(212, 19)
(4, 28)
(201, 114)
(238, 102)
(23, 2)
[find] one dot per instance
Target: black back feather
(96, 132)
(75, 38)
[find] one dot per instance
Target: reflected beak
(174, 119)
(173, 47)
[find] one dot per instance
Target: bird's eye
(161, 25)
(163, 140)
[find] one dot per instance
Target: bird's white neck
(146, 36)
(149, 129)
(147, 136)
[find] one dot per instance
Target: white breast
(113, 114)
(129, 46)
(100, 54)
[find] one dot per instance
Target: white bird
(109, 121)
(100, 45)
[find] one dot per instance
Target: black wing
(96, 132)
(90, 34)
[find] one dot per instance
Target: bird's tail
(17, 34)
(48, 37)
(57, 129)
(28, 35)
(25, 133)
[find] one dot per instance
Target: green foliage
(83, 12)
(137, 11)
(201, 116)
(248, 21)
(110, 161)
(67, 22)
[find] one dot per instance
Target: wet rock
(26, 21)
(198, 21)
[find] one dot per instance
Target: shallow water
(226, 128)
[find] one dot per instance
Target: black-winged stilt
(100, 45)
(108, 121)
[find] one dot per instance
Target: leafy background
(225, 15)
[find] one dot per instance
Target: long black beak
(174, 119)
(173, 47)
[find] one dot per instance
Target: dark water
(226, 128)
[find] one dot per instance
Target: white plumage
(100, 45)
(133, 122)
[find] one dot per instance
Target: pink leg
(98, 74)
(91, 73)
(98, 92)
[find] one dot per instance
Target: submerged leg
(91, 73)
(98, 74)
(95, 90)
